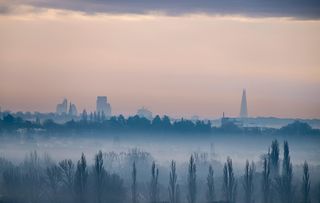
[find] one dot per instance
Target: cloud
(302, 9)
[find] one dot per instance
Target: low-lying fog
(163, 149)
(121, 151)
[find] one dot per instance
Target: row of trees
(276, 186)
(69, 182)
(62, 182)
(113, 124)
(135, 123)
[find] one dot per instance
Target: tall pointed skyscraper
(244, 108)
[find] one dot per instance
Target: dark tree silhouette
(274, 158)
(248, 182)
(229, 182)
(98, 122)
(80, 181)
(274, 168)
(192, 181)
(157, 123)
(210, 184)
(306, 184)
(99, 176)
(266, 180)
(154, 188)
(173, 186)
(284, 182)
(134, 184)
(166, 123)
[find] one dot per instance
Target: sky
(179, 59)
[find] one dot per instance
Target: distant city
(67, 111)
(103, 108)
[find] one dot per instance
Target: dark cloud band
(304, 9)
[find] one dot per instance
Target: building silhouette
(144, 113)
(73, 110)
(103, 107)
(62, 108)
(244, 108)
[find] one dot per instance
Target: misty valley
(159, 167)
(135, 159)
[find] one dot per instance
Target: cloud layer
(302, 9)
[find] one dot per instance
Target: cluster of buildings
(62, 108)
(103, 107)
(69, 109)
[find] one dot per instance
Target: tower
(62, 108)
(244, 108)
(103, 106)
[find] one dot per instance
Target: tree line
(67, 181)
(95, 123)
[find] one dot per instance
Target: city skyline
(91, 106)
(193, 63)
(102, 105)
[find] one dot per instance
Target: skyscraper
(244, 108)
(73, 110)
(62, 108)
(103, 107)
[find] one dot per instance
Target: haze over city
(194, 62)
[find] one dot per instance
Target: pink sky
(180, 66)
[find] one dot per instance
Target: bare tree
(306, 184)
(229, 182)
(54, 179)
(192, 184)
(210, 184)
(248, 182)
(67, 172)
(154, 190)
(33, 178)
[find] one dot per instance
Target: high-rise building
(244, 108)
(73, 110)
(62, 108)
(103, 107)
